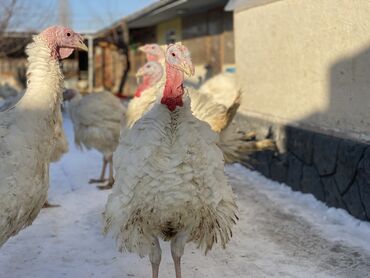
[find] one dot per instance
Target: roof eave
(240, 5)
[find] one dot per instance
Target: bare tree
(121, 38)
(19, 19)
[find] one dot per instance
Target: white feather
(222, 87)
(97, 120)
(169, 177)
(60, 144)
(26, 135)
(139, 105)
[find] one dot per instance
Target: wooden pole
(90, 40)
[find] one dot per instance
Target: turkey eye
(68, 34)
(173, 54)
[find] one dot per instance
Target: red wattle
(142, 87)
(173, 89)
(172, 102)
(150, 58)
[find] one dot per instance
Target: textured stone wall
(335, 170)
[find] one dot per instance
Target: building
(203, 26)
(13, 61)
(304, 68)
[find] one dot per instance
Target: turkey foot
(155, 257)
(97, 181)
(177, 250)
(109, 185)
(48, 205)
(102, 175)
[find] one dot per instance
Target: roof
(15, 34)
(240, 5)
(165, 10)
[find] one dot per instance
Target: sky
(84, 15)
(92, 15)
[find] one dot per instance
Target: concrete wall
(307, 62)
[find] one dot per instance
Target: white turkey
(203, 105)
(59, 147)
(7, 91)
(145, 94)
(27, 131)
(217, 113)
(222, 87)
(153, 74)
(170, 180)
(9, 96)
(96, 121)
(154, 52)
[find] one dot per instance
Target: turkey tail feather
(231, 111)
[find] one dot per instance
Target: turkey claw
(97, 181)
(48, 205)
(109, 185)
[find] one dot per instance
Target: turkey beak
(80, 44)
(139, 74)
(142, 48)
(188, 68)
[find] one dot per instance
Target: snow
(281, 233)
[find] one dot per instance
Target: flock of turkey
(168, 149)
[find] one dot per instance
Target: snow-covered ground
(280, 234)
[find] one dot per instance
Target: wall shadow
(332, 164)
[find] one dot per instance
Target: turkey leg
(102, 175)
(110, 183)
(48, 205)
(155, 257)
(177, 250)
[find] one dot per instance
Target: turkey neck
(147, 82)
(162, 61)
(173, 89)
(156, 77)
(164, 74)
(39, 106)
(157, 58)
